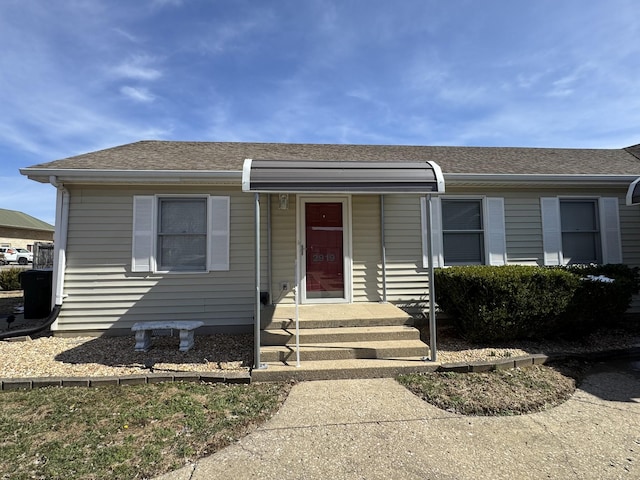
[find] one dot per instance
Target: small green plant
(10, 279)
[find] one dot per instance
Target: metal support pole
(269, 264)
(295, 296)
(432, 287)
(256, 333)
(384, 251)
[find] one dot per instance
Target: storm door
(324, 240)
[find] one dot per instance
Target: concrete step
(344, 351)
(334, 315)
(342, 369)
(335, 335)
(306, 323)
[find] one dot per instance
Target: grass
(125, 432)
(500, 392)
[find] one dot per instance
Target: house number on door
(319, 257)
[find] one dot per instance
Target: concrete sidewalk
(376, 429)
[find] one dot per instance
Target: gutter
(60, 240)
(538, 179)
(96, 176)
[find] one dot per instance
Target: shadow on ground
(218, 349)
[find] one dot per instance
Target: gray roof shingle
(229, 156)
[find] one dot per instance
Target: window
(580, 230)
(464, 231)
(180, 234)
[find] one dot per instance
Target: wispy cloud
(138, 67)
(139, 94)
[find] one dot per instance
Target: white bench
(143, 332)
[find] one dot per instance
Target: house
(19, 230)
(159, 230)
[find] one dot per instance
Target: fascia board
(87, 176)
(479, 179)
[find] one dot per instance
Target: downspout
(384, 251)
(256, 331)
(60, 241)
(59, 262)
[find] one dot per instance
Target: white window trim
(609, 220)
(493, 224)
(145, 233)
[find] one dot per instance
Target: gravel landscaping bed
(47, 356)
(107, 356)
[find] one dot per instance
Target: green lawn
(125, 432)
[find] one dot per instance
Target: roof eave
(537, 180)
(171, 177)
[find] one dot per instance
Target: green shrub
(9, 279)
(597, 302)
(504, 303)
(517, 302)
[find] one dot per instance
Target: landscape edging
(506, 363)
(7, 384)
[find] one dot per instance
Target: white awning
(633, 194)
(291, 176)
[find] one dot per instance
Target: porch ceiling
(289, 176)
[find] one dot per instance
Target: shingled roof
(229, 156)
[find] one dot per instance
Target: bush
(519, 302)
(504, 303)
(598, 302)
(10, 279)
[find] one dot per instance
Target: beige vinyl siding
(523, 219)
(283, 248)
(367, 249)
(407, 284)
(101, 291)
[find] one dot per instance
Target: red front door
(324, 250)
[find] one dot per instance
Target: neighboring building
(20, 230)
(163, 230)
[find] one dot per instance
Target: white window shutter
(219, 227)
(143, 233)
(610, 230)
(436, 232)
(494, 231)
(551, 230)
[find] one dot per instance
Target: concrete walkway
(376, 429)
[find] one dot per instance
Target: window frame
(493, 223)
(453, 232)
(160, 235)
(608, 216)
(596, 233)
(145, 236)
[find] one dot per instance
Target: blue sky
(78, 76)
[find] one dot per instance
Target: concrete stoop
(367, 340)
(342, 369)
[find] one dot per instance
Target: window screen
(580, 231)
(462, 232)
(182, 234)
